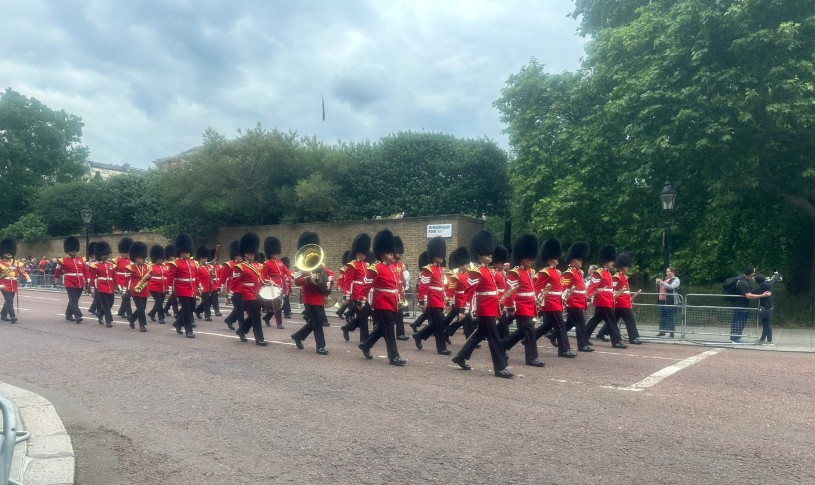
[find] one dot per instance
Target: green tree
(38, 147)
(30, 228)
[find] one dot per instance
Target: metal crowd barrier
(9, 438)
(654, 318)
(717, 322)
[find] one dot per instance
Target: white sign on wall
(442, 230)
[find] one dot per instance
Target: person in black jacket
(766, 306)
(740, 305)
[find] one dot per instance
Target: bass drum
(271, 296)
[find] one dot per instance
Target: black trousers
(435, 326)
(503, 326)
(604, 314)
(314, 323)
(630, 324)
(125, 310)
(553, 320)
(385, 321)
(158, 305)
(236, 315)
(213, 298)
(419, 320)
(576, 318)
(253, 308)
(8, 304)
(400, 323)
(486, 328)
(72, 310)
(94, 308)
(452, 323)
(206, 302)
(172, 302)
(286, 306)
(185, 319)
(525, 330)
(360, 321)
(105, 306)
(139, 314)
(278, 317)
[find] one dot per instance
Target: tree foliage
(30, 228)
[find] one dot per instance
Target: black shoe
(142, 328)
(619, 345)
(287, 317)
(242, 336)
(121, 314)
(339, 313)
(268, 323)
(444, 352)
(536, 363)
(198, 316)
(568, 354)
(586, 348)
(208, 319)
(504, 374)
(365, 351)
(262, 343)
(602, 338)
(402, 337)
(322, 351)
(326, 324)
(230, 326)
(177, 328)
(636, 341)
(418, 340)
(108, 325)
(78, 320)
(5, 319)
(218, 314)
(461, 362)
(345, 333)
(281, 327)
(190, 335)
(152, 317)
(297, 342)
(101, 322)
(552, 338)
(132, 324)
(414, 327)
(661, 334)
(14, 320)
(70, 319)
(447, 339)
(398, 361)
(161, 322)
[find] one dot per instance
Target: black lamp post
(667, 197)
(87, 213)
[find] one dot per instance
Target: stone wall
(335, 238)
(53, 246)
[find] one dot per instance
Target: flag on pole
(323, 99)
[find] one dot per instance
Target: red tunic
(104, 276)
(573, 279)
(524, 295)
(9, 282)
(137, 271)
(431, 286)
(382, 280)
(620, 284)
(355, 280)
(122, 275)
(460, 291)
(73, 270)
(310, 293)
(158, 278)
(250, 279)
(183, 274)
(602, 288)
(482, 293)
(554, 297)
(275, 271)
(400, 271)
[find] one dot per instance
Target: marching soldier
(230, 277)
(483, 292)
(346, 258)
(313, 298)
(549, 288)
(623, 300)
(103, 273)
(158, 283)
(183, 274)
(382, 282)
(94, 308)
(575, 294)
(601, 289)
(74, 274)
(139, 279)
(521, 290)
(431, 296)
(355, 287)
(423, 261)
(10, 269)
(402, 271)
(250, 281)
(214, 279)
(204, 283)
(171, 301)
(287, 287)
(275, 271)
(501, 257)
(459, 260)
(123, 276)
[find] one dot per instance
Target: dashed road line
(661, 374)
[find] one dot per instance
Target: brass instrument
(310, 258)
(143, 281)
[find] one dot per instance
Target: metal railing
(8, 440)
(717, 321)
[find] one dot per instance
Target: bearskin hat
(234, 250)
(550, 249)
(250, 243)
(183, 244)
(202, 252)
(436, 248)
(526, 246)
(501, 255)
(272, 245)
(624, 260)
(260, 258)
(169, 251)
(459, 257)
(384, 242)
(361, 244)
(8, 246)
(423, 259)
(579, 250)
(91, 247)
(307, 237)
(124, 245)
(400, 246)
(607, 253)
(101, 248)
(71, 244)
(482, 244)
(156, 252)
(286, 261)
(346, 257)
(138, 250)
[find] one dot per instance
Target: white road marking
(248, 337)
(622, 354)
(661, 374)
(45, 298)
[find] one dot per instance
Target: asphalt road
(155, 407)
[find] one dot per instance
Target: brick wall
(335, 238)
(53, 246)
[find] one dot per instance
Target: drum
(271, 296)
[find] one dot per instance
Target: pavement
(48, 456)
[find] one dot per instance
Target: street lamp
(87, 214)
(667, 197)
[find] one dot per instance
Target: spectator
(766, 306)
(668, 289)
(740, 305)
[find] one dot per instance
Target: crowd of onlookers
(41, 271)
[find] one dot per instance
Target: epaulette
(59, 260)
(516, 270)
(428, 267)
(171, 262)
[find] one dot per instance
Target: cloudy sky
(148, 77)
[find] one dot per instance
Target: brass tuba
(310, 258)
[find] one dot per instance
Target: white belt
(579, 292)
(460, 292)
(156, 277)
(248, 284)
(104, 278)
(185, 279)
(122, 274)
(526, 293)
(605, 289)
(359, 282)
(555, 293)
(437, 288)
(626, 292)
(73, 274)
(387, 290)
(486, 293)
